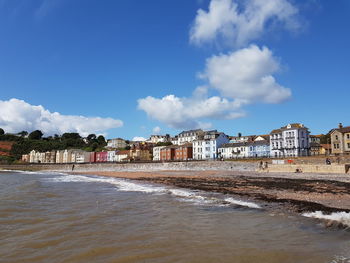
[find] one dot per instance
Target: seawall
(202, 165)
(308, 168)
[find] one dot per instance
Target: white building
(207, 147)
(81, 156)
(233, 150)
(189, 136)
(159, 138)
(241, 139)
(117, 143)
(174, 140)
(122, 156)
(111, 156)
(290, 141)
(156, 152)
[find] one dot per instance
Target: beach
(297, 193)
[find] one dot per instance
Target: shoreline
(295, 195)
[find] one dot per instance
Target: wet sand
(293, 192)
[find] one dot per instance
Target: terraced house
(340, 140)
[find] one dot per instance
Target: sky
(132, 68)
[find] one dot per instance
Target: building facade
(156, 152)
(340, 140)
(189, 136)
(291, 140)
(207, 147)
(117, 143)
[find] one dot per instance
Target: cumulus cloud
(17, 115)
(239, 22)
(246, 75)
(156, 130)
(184, 113)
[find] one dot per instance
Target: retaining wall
(308, 168)
(203, 165)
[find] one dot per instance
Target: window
(336, 137)
(348, 145)
(348, 136)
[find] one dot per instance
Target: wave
(243, 203)
(125, 185)
(341, 217)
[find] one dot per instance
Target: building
(50, 157)
(241, 139)
(325, 149)
(67, 156)
(340, 140)
(122, 156)
(81, 156)
(183, 152)
(207, 146)
(174, 140)
(101, 157)
(156, 152)
(189, 136)
(167, 153)
(291, 140)
(315, 145)
(25, 158)
(59, 156)
(259, 147)
(233, 150)
(117, 143)
(159, 138)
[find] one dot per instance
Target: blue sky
(120, 59)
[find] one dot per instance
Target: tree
(91, 137)
(23, 133)
(2, 132)
(71, 135)
(35, 135)
(101, 140)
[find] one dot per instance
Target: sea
(55, 217)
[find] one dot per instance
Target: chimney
(340, 125)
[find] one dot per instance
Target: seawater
(76, 218)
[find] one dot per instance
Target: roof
(326, 146)
(343, 130)
(197, 130)
(228, 145)
(292, 126)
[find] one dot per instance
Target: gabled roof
(291, 126)
(342, 130)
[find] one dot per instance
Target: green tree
(2, 132)
(35, 135)
(23, 133)
(101, 140)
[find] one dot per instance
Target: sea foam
(341, 217)
(125, 185)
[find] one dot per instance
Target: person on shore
(328, 161)
(260, 165)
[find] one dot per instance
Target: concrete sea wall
(203, 165)
(308, 168)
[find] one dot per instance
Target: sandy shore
(294, 192)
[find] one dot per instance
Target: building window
(336, 137)
(348, 136)
(348, 145)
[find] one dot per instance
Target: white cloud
(17, 115)
(246, 75)
(156, 130)
(184, 113)
(139, 139)
(239, 22)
